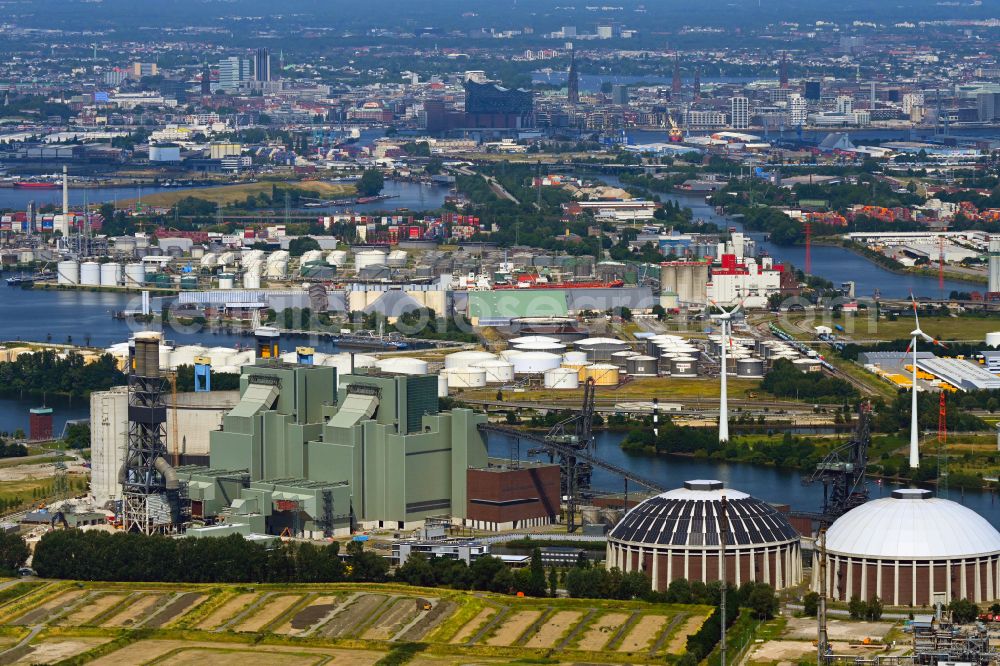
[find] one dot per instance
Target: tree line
(45, 372)
(785, 380)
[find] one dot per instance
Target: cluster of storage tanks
(94, 274)
(229, 359)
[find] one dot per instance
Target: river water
(413, 196)
(782, 486)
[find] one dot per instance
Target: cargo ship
(533, 283)
(36, 185)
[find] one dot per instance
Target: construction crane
(842, 471)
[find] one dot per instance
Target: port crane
(571, 443)
(842, 471)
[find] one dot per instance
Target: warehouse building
(677, 534)
(912, 549)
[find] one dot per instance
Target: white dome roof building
(911, 548)
(677, 535)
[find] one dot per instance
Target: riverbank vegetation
(46, 373)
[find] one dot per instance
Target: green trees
(299, 246)
(870, 610)
(786, 381)
(963, 611)
(45, 373)
(13, 552)
(371, 183)
(810, 604)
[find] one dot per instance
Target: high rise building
(141, 69)
(568, 31)
(783, 70)
(988, 107)
(739, 112)
(605, 31)
(573, 80)
(262, 65)
(234, 73)
(845, 104)
(697, 83)
(619, 94)
(797, 109)
(813, 90)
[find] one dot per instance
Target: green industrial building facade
(311, 454)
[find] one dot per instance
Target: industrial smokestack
(65, 212)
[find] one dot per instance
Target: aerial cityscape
(452, 332)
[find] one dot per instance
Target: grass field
(641, 388)
(944, 328)
(119, 624)
(227, 194)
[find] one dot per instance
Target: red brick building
(503, 498)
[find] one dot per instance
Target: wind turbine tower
(726, 320)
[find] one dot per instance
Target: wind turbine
(914, 425)
(726, 319)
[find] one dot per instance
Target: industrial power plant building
(912, 549)
(678, 534)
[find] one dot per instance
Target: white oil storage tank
(367, 258)
(111, 274)
(561, 378)
(337, 258)
(497, 370)
(465, 377)
(251, 280)
(464, 359)
(993, 339)
(226, 280)
(90, 274)
(535, 362)
(402, 365)
(135, 275)
(68, 272)
(575, 357)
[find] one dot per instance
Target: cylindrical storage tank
(209, 260)
(808, 364)
(750, 367)
(602, 349)
(532, 339)
(111, 274)
(226, 280)
(367, 258)
(535, 362)
(68, 272)
(337, 258)
(146, 354)
(465, 377)
(464, 359)
(197, 252)
(90, 274)
(251, 280)
(135, 275)
(641, 366)
(402, 365)
(442, 385)
(684, 366)
(768, 549)
(277, 270)
(619, 358)
(578, 368)
(552, 347)
(311, 256)
(185, 355)
(603, 374)
(221, 356)
(498, 371)
(576, 357)
(993, 339)
(561, 378)
(396, 259)
(509, 354)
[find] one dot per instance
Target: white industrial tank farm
(111, 274)
(135, 275)
(465, 377)
(535, 362)
(464, 359)
(561, 378)
(498, 371)
(367, 258)
(68, 272)
(402, 365)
